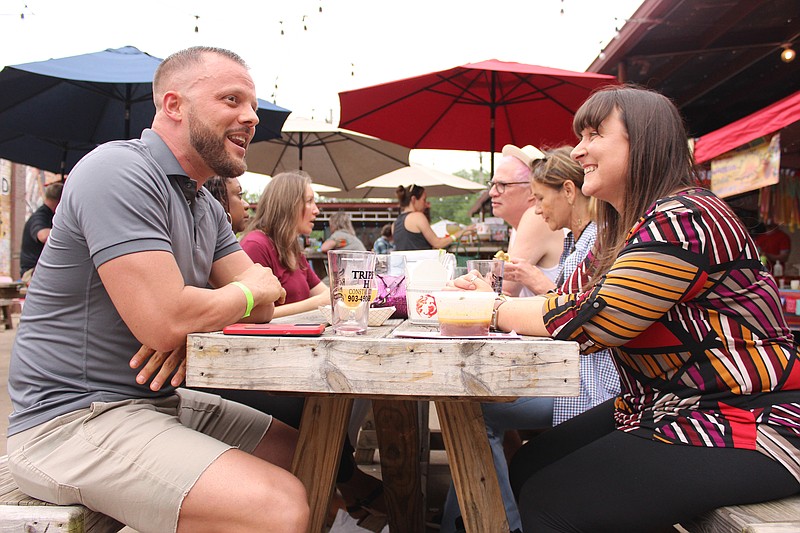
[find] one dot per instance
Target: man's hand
(164, 362)
(530, 276)
(263, 284)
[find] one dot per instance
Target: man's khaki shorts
(134, 460)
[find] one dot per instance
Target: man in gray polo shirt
(134, 245)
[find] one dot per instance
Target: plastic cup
(351, 276)
(464, 313)
(795, 284)
(491, 270)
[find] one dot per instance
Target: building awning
(768, 120)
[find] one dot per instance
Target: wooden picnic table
(395, 372)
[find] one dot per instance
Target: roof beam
(733, 15)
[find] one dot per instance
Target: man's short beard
(212, 149)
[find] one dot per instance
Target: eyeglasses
(501, 186)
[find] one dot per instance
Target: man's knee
(291, 504)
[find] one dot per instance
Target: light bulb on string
(320, 7)
(787, 54)
(196, 24)
(281, 23)
(305, 28)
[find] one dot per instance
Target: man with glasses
(531, 241)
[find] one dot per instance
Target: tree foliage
(456, 208)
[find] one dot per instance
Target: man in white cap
(535, 250)
(532, 242)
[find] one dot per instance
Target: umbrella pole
(492, 114)
(127, 111)
(64, 162)
(300, 151)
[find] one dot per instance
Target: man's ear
(172, 105)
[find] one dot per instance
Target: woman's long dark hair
(405, 194)
(218, 187)
(659, 161)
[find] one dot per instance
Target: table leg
(471, 467)
(316, 458)
(396, 425)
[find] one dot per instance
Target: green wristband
(247, 294)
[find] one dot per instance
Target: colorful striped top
(700, 341)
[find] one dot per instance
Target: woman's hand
(471, 281)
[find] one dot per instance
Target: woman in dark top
(412, 230)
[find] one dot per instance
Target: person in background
(532, 242)
(228, 192)
(709, 372)
(133, 249)
(412, 229)
(383, 244)
(343, 235)
(556, 184)
(285, 211)
(774, 243)
(37, 230)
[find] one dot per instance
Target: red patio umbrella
(479, 106)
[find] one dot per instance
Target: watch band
(500, 300)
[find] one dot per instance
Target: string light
(196, 24)
(305, 28)
(281, 23)
(788, 54)
(320, 7)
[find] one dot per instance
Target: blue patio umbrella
(56, 111)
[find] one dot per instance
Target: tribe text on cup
(351, 276)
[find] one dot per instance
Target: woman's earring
(230, 220)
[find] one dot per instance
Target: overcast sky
(349, 44)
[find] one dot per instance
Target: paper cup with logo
(427, 277)
(422, 304)
(464, 313)
(351, 275)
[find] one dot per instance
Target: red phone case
(293, 330)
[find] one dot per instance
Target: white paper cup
(795, 284)
(422, 304)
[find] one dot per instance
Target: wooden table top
(379, 364)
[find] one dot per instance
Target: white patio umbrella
(253, 182)
(436, 183)
(332, 156)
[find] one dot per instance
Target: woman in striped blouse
(709, 413)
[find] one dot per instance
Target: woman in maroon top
(285, 212)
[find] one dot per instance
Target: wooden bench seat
(778, 516)
(20, 513)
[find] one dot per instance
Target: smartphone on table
(290, 330)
